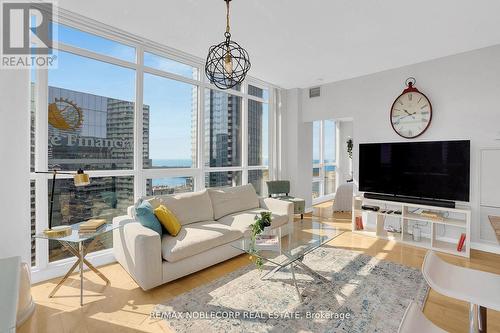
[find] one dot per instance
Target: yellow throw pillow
(168, 220)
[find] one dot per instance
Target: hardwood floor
(124, 307)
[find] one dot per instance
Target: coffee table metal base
(292, 265)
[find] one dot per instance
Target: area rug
(364, 294)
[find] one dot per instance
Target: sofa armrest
(278, 206)
(138, 250)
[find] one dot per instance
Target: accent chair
(280, 189)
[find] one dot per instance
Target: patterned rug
(365, 294)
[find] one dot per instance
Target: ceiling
(303, 43)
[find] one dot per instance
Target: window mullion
(139, 181)
(200, 158)
(244, 140)
(41, 164)
(96, 56)
(271, 142)
(337, 154)
(322, 157)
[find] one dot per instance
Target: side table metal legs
(80, 254)
(80, 260)
(477, 319)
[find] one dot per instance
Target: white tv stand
(455, 222)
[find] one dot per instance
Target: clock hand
(409, 114)
(404, 116)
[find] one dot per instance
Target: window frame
(43, 270)
(321, 165)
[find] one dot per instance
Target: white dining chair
(343, 198)
(414, 321)
(480, 289)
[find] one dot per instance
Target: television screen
(436, 170)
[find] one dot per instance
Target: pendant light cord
(227, 16)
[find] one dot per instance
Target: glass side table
(75, 244)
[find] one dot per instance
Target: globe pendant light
(227, 63)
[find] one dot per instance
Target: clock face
(411, 114)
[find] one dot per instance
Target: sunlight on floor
(124, 307)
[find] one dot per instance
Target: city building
(89, 132)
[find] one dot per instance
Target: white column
(15, 164)
(297, 146)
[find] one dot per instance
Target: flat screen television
(433, 170)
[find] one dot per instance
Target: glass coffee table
(302, 239)
(79, 245)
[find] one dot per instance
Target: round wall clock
(411, 112)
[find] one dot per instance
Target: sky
(170, 101)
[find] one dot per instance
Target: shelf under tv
(454, 221)
(422, 201)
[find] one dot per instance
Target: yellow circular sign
(65, 115)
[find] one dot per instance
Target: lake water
(171, 181)
(179, 163)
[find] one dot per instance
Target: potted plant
(350, 145)
(261, 222)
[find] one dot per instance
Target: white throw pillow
(189, 207)
(230, 200)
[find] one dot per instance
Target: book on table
(91, 225)
(461, 242)
(359, 223)
(432, 215)
(267, 242)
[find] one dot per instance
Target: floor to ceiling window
(140, 121)
(236, 138)
(258, 138)
(89, 124)
(170, 120)
(324, 173)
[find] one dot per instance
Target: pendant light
(227, 63)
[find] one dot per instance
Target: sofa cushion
(189, 207)
(196, 238)
(241, 221)
(154, 201)
(145, 214)
(168, 220)
(230, 200)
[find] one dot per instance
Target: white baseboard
(485, 247)
(60, 268)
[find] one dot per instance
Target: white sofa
(212, 220)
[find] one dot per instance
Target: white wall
(464, 91)
(14, 165)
